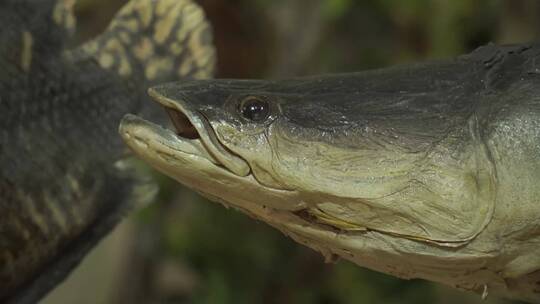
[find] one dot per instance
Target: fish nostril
(184, 128)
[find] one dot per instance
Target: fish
(426, 170)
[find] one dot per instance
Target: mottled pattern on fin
(152, 41)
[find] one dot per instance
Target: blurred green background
(184, 249)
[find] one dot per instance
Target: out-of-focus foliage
(188, 250)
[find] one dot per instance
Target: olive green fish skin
(64, 182)
(424, 171)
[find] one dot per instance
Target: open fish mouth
(192, 134)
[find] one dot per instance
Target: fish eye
(255, 109)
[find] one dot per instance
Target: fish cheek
(246, 143)
(266, 178)
(286, 158)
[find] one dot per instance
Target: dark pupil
(255, 109)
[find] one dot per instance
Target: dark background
(184, 249)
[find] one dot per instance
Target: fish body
(65, 177)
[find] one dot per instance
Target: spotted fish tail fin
(153, 41)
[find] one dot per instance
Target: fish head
(385, 180)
